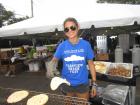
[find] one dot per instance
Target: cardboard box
(102, 57)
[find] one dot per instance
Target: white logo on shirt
(74, 58)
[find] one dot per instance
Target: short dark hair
(70, 19)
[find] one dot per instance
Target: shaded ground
(27, 80)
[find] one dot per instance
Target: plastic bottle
(119, 54)
(136, 55)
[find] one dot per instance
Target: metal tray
(126, 66)
(115, 95)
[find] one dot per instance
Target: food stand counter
(121, 80)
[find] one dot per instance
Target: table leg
(132, 93)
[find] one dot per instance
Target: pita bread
(40, 99)
(17, 96)
(101, 67)
(57, 81)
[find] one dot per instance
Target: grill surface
(54, 99)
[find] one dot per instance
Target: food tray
(115, 95)
(122, 71)
(54, 99)
(101, 66)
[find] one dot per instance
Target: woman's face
(71, 30)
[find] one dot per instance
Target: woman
(76, 54)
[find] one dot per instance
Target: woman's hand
(94, 90)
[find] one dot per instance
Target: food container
(120, 71)
(115, 95)
(101, 66)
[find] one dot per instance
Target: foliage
(120, 1)
(8, 17)
(14, 20)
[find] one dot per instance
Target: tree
(8, 17)
(120, 1)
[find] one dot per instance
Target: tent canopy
(88, 14)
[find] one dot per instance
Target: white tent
(87, 13)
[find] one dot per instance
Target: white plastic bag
(49, 72)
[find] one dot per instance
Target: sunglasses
(73, 28)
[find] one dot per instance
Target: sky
(20, 7)
(23, 7)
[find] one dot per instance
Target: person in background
(76, 54)
(11, 72)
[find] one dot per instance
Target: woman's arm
(54, 61)
(92, 70)
(93, 74)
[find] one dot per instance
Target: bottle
(119, 54)
(136, 55)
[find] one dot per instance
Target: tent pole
(32, 8)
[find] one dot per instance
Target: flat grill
(54, 99)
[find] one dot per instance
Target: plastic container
(119, 54)
(36, 66)
(31, 66)
(136, 55)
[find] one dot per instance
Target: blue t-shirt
(74, 59)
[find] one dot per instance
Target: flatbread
(57, 81)
(40, 99)
(100, 67)
(17, 96)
